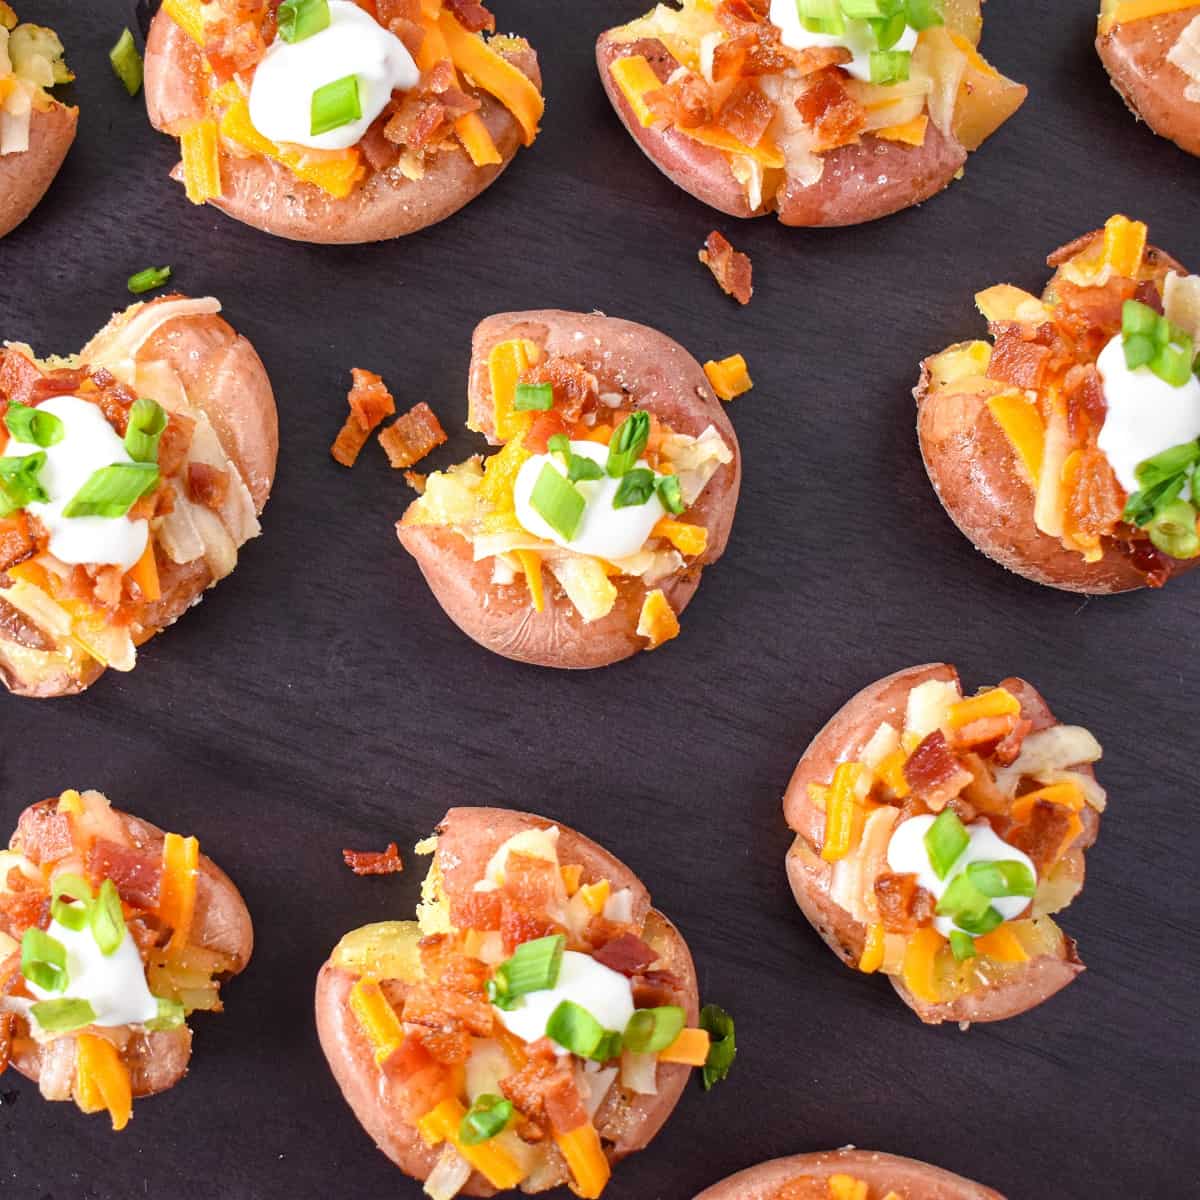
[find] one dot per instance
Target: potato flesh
(385, 950)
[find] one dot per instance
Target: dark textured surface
(320, 699)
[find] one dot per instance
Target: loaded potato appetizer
(1151, 50)
(936, 834)
(36, 130)
(535, 1025)
(336, 121)
(130, 476)
(1066, 448)
(581, 541)
(825, 112)
(847, 1174)
(112, 933)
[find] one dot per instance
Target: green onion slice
(670, 494)
(889, 30)
(575, 1029)
(44, 960)
(70, 901)
(1143, 506)
(19, 483)
(653, 1029)
(867, 10)
(534, 967)
(1007, 877)
(968, 907)
(107, 919)
(484, 1119)
(534, 397)
(579, 466)
(924, 14)
(147, 420)
(962, 944)
(558, 502)
(635, 488)
(61, 1016)
(1139, 350)
(821, 16)
(1138, 318)
(148, 280)
(1168, 463)
(33, 425)
(628, 443)
(723, 1044)
(1173, 362)
(889, 66)
(334, 105)
(1173, 530)
(300, 19)
(945, 840)
(113, 491)
(559, 443)
(127, 62)
(170, 1014)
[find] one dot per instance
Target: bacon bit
(43, 835)
(146, 932)
(1042, 836)
(979, 733)
(830, 110)
(1016, 360)
(232, 46)
(819, 58)
(518, 926)
(545, 426)
(8, 1028)
(687, 103)
(107, 585)
(207, 485)
(403, 18)
(1086, 405)
(1148, 294)
(374, 862)
(57, 383)
(416, 481)
(933, 773)
(600, 931)
(23, 906)
(477, 910)
(1009, 747)
(412, 436)
(531, 881)
(377, 150)
(18, 375)
(1095, 498)
(348, 444)
(16, 544)
(174, 444)
(732, 269)
(982, 793)
(1093, 313)
(576, 389)
(472, 16)
(653, 989)
(370, 402)
(736, 16)
(903, 905)
(544, 1090)
(416, 121)
(444, 963)
(446, 1046)
(1155, 566)
(136, 873)
(447, 1011)
(746, 113)
(627, 954)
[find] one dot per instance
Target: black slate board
(320, 699)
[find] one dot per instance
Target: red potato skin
(848, 193)
(467, 839)
(224, 377)
(26, 177)
(158, 1060)
(908, 1178)
(980, 483)
(269, 197)
(658, 376)
(810, 876)
(1135, 56)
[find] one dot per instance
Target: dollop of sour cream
(605, 993)
(89, 444)
(353, 43)
(114, 985)
(1146, 415)
(906, 855)
(604, 531)
(858, 38)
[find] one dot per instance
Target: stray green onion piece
(889, 66)
(147, 420)
(1007, 877)
(653, 1029)
(334, 105)
(484, 1119)
(300, 19)
(19, 483)
(722, 1048)
(61, 1016)
(557, 502)
(670, 494)
(945, 840)
(113, 491)
(531, 397)
(1173, 530)
(148, 280)
(107, 919)
(44, 960)
(635, 489)
(962, 944)
(170, 1014)
(70, 901)
(628, 443)
(33, 425)
(127, 62)
(575, 1029)
(534, 967)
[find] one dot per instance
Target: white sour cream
(353, 43)
(858, 38)
(906, 855)
(605, 993)
(115, 986)
(604, 531)
(1145, 415)
(89, 444)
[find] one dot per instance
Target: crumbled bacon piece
(23, 905)
(1016, 360)
(61, 382)
(903, 905)
(44, 834)
(416, 481)
(1009, 746)
(18, 375)
(626, 954)
(576, 389)
(982, 793)
(232, 46)
(16, 543)
(174, 444)
(933, 772)
(380, 153)
(1044, 835)
(976, 734)
(412, 436)
(759, 52)
(107, 585)
(472, 16)
(418, 121)
(736, 16)
(600, 931)
(653, 989)
(544, 1091)
(8, 1028)
(136, 873)
(374, 862)
(834, 115)
(443, 962)
(207, 485)
(390, 10)
(1086, 405)
(1095, 499)
(518, 926)
(746, 113)
(447, 1011)
(732, 269)
(370, 402)
(477, 910)
(530, 881)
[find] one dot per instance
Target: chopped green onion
(127, 62)
(107, 920)
(170, 1014)
(1143, 506)
(147, 420)
(575, 1029)
(1138, 318)
(32, 425)
(300, 19)
(821, 16)
(889, 66)
(534, 967)
(653, 1029)
(628, 443)
(1173, 530)
(1173, 363)
(635, 489)
(44, 960)
(868, 10)
(63, 890)
(61, 1016)
(1140, 350)
(889, 30)
(1167, 463)
(945, 840)
(559, 443)
(968, 907)
(924, 14)
(1007, 877)
(148, 280)
(534, 396)
(962, 944)
(334, 105)
(991, 918)
(19, 484)
(581, 467)
(113, 491)
(557, 502)
(670, 494)
(484, 1119)
(722, 1048)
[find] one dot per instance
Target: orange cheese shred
(102, 1079)
(177, 890)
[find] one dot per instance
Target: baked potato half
(455, 1038)
(912, 807)
(607, 577)
(142, 931)
(131, 474)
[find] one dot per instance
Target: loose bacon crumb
(374, 862)
(18, 375)
(207, 485)
(412, 436)
(627, 954)
(730, 268)
(370, 402)
(472, 16)
(933, 772)
(416, 481)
